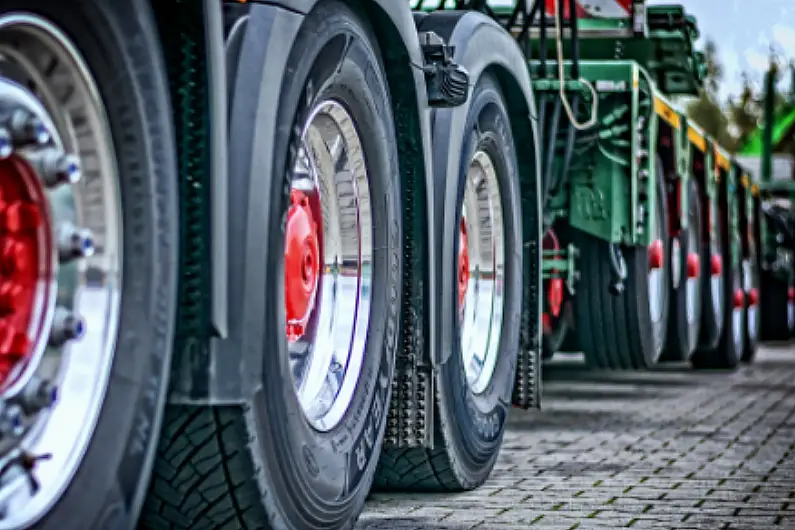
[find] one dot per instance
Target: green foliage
(706, 110)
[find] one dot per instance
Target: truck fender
(480, 44)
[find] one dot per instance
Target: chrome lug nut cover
(54, 167)
(27, 128)
(66, 326)
(74, 242)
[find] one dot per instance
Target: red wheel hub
(656, 255)
(739, 299)
(463, 263)
(25, 262)
(301, 264)
(753, 296)
(693, 265)
(716, 265)
(791, 294)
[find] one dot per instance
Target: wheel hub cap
(463, 264)
(716, 265)
(738, 299)
(301, 264)
(693, 265)
(656, 255)
(26, 264)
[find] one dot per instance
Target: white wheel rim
(327, 355)
(88, 281)
(482, 311)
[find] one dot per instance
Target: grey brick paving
(668, 449)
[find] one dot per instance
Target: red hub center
(791, 294)
(739, 299)
(716, 265)
(301, 264)
(693, 265)
(463, 264)
(656, 255)
(753, 296)
(25, 262)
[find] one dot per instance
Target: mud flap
(527, 388)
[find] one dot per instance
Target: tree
(745, 112)
(706, 110)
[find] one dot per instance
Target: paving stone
(671, 448)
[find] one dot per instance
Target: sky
(743, 31)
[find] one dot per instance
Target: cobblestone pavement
(666, 449)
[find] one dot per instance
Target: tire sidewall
(479, 420)
(119, 44)
(333, 470)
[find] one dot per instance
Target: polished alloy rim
(65, 268)
(481, 272)
(716, 276)
(693, 266)
(656, 280)
(738, 317)
(752, 295)
(328, 264)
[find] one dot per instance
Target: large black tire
(712, 286)
(118, 43)
(556, 339)
(776, 309)
(469, 426)
(684, 322)
(732, 339)
(618, 332)
(262, 465)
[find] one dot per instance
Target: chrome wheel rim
(74, 336)
(656, 282)
(716, 280)
(693, 282)
(748, 283)
(481, 272)
(328, 265)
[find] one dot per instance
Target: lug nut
(54, 167)
(6, 145)
(66, 326)
(38, 394)
(74, 242)
(27, 128)
(12, 420)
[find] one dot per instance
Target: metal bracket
(447, 82)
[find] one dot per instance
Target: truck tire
(713, 279)
(627, 331)
(322, 315)
(752, 325)
(474, 395)
(732, 339)
(776, 308)
(554, 340)
(90, 255)
(685, 315)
